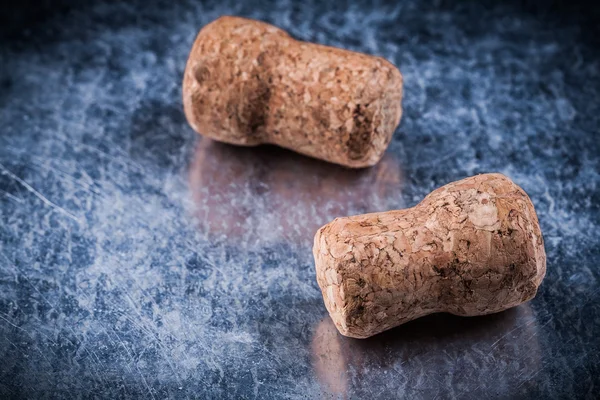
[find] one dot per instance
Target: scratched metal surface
(137, 260)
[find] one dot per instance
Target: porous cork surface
(247, 82)
(471, 247)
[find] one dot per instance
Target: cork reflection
(430, 355)
(265, 194)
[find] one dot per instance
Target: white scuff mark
(11, 196)
(87, 186)
(40, 196)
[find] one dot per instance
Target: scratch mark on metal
(40, 196)
(11, 196)
(508, 333)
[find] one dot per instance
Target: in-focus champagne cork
(471, 247)
(247, 82)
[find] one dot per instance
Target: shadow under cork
(496, 353)
(266, 194)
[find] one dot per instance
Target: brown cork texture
(247, 82)
(471, 247)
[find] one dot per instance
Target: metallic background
(139, 260)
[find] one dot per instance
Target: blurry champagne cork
(247, 83)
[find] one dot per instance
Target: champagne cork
(247, 83)
(472, 247)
